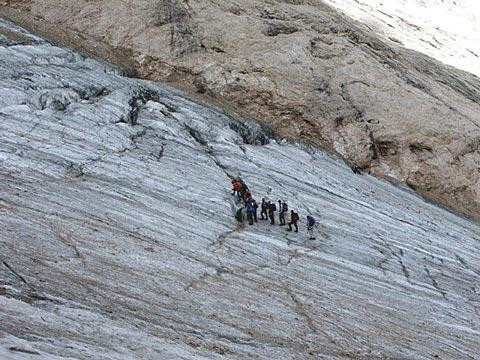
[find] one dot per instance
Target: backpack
(284, 207)
(273, 207)
(311, 221)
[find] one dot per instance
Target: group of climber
(241, 192)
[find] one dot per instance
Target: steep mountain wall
(117, 240)
(304, 69)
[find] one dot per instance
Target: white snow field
(117, 239)
(447, 30)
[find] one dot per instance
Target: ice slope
(447, 30)
(117, 240)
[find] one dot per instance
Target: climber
(282, 210)
(243, 190)
(281, 219)
(293, 221)
(271, 212)
(236, 187)
(250, 211)
(264, 208)
(255, 206)
(286, 216)
(285, 212)
(310, 226)
(239, 214)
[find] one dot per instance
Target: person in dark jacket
(239, 214)
(293, 221)
(248, 196)
(264, 207)
(243, 190)
(281, 215)
(271, 212)
(250, 211)
(282, 211)
(310, 227)
(255, 206)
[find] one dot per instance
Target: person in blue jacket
(250, 208)
(310, 227)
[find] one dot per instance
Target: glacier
(118, 240)
(446, 30)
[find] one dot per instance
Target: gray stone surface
(117, 240)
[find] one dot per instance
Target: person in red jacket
(236, 187)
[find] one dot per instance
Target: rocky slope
(304, 69)
(117, 240)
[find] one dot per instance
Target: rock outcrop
(117, 241)
(308, 71)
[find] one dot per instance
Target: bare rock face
(308, 71)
